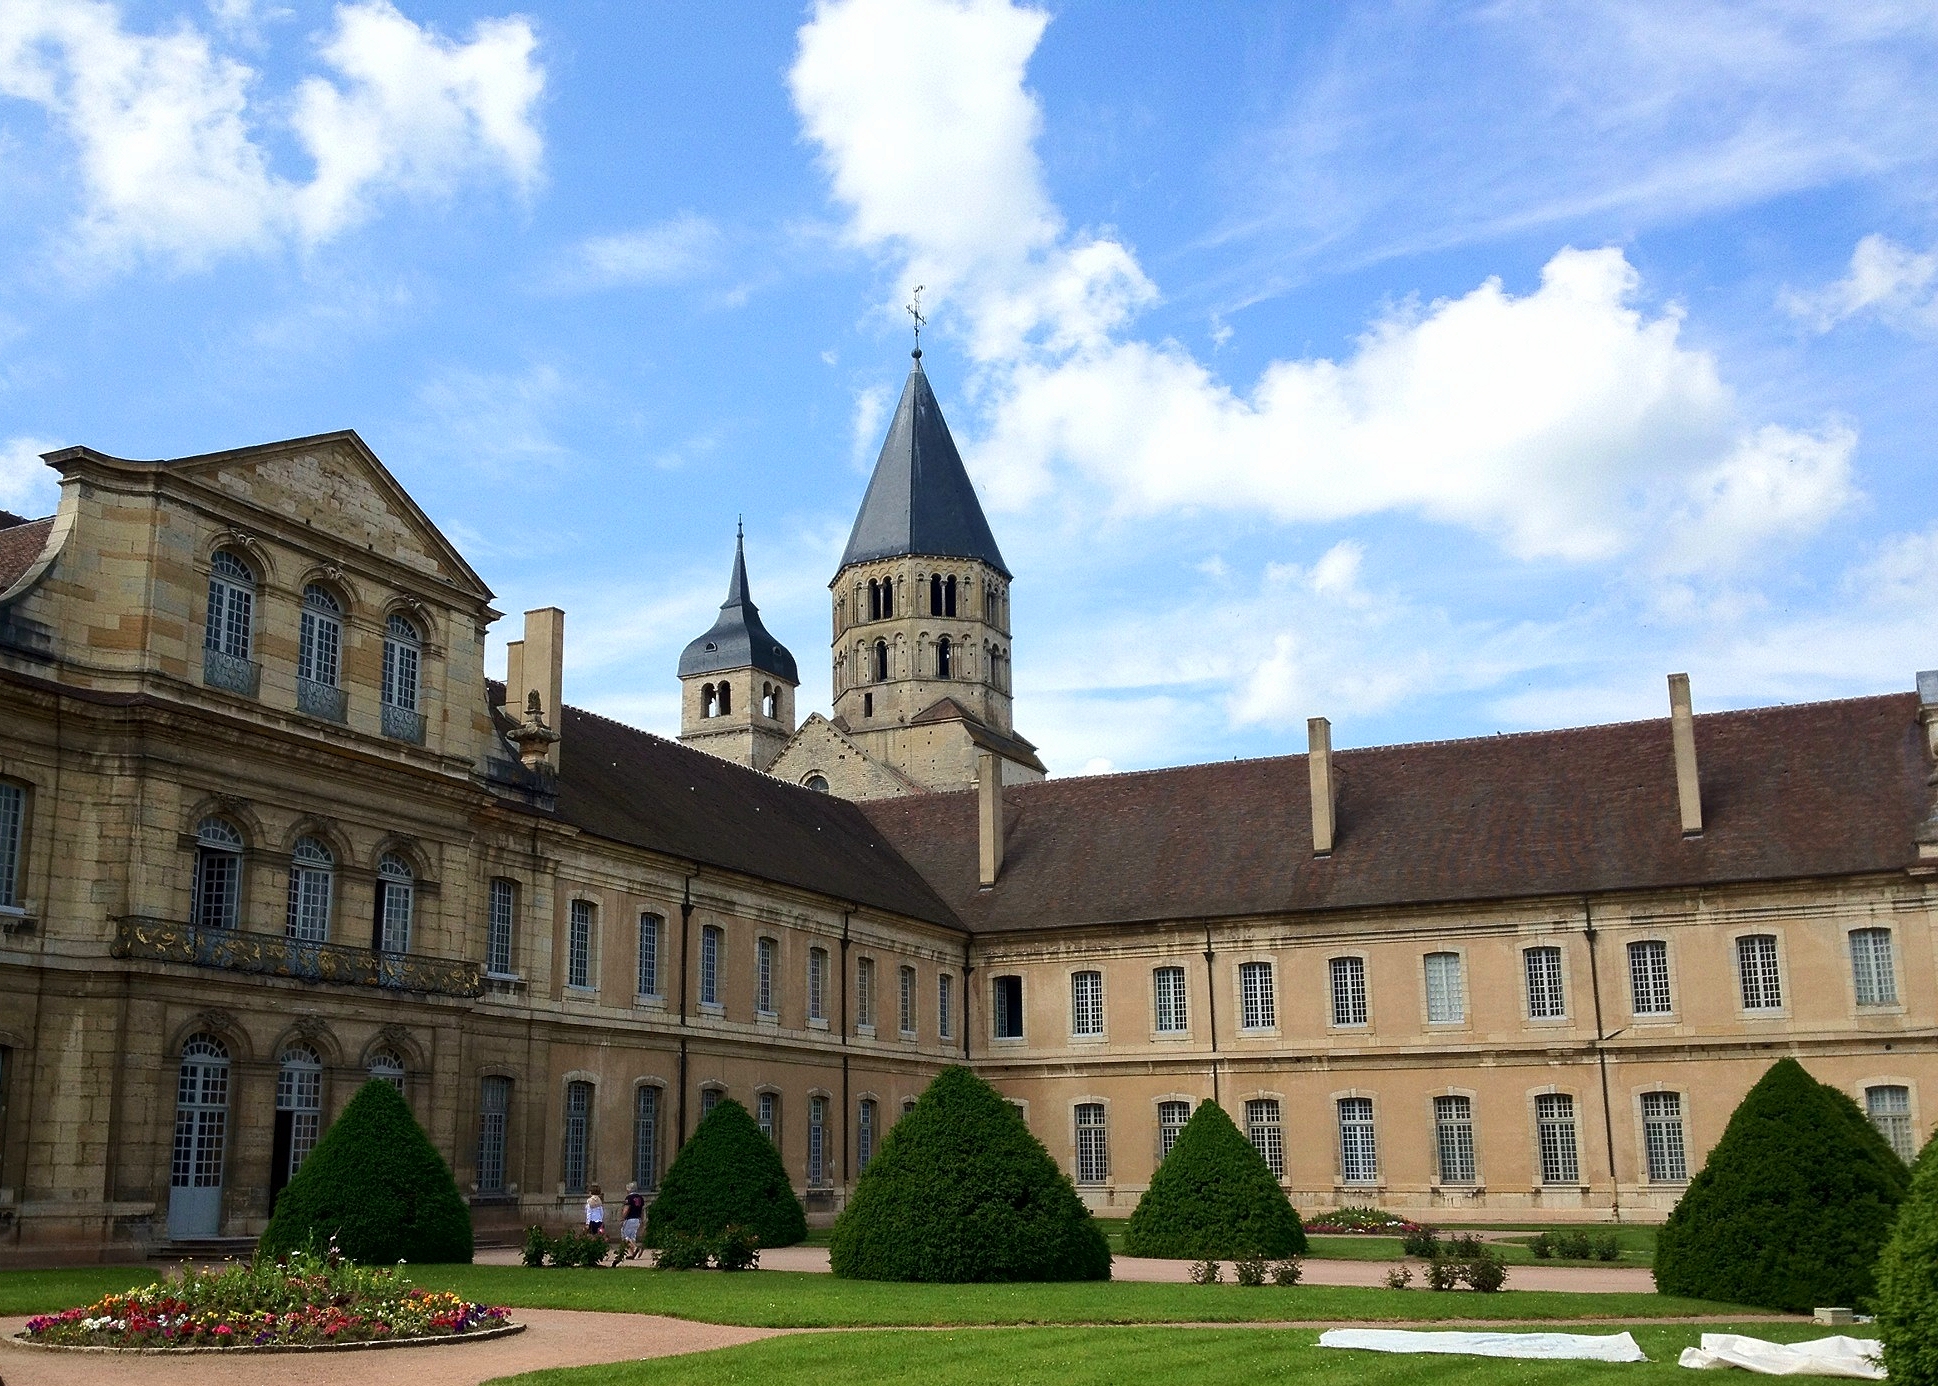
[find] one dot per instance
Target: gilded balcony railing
(273, 955)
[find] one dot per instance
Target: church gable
(820, 748)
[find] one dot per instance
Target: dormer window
(403, 669)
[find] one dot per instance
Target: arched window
(881, 661)
(948, 596)
(299, 1114)
(888, 597)
(865, 1135)
(217, 899)
(386, 1066)
(227, 638)
(396, 898)
(874, 600)
(818, 783)
(770, 701)
(403, 668)
(709, 701)
(935, 594)
(726, 698)
(319, 653)
(311, 876)
(942, 670)
(201, 1123)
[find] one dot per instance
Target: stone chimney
(1318, 760)
(515, 678)
(1682, 726)
(989, 816)
(537, 664)
(1927, 834)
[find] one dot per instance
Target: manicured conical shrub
(727, 1175)
(377, 1185)
(1213, 1198)
(1792, 1207)
(1907, 1281)
(962, 1192)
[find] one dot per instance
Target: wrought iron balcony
(321, 700)
(274, 955)
(221, 670)
(401, 724)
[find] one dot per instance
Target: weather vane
(915, 311)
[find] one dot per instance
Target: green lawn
(1099, 1357)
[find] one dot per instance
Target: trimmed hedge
(377, 1185)
(961, 1192)
(1214, 1198)
(727, 1175)
(1792, 1207)
(1907, 1281)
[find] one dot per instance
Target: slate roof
(20, 544)
(1819, 789)
(920, 500)
(737, 639)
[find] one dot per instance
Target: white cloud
(170, 132)
(676, 249)
(1886, 280)
(27, 485)
(871, 409)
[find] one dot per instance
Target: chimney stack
(989, 816)
(1928, 706)
(539, 663)
(515, 678)
(1682, 724)
(1318, 732)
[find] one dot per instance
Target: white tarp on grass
(1834, 1356)
(1584, 1347)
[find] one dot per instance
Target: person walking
(595, 1212)
(629, 1215)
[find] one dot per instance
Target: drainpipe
(686, 974)
(967, 992)
(846, 917)
(1211, 997)
(1601, 1061)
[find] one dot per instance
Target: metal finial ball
(917, 353)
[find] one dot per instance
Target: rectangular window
(645, 1137)
(1007, 999)
(494, 1106)
(1453, 1133)
(1554, 1122)
(1093, 1146)
(1545, 998)
(1171, 1117)
(710, 965)
(499, 915)
(1348, 991)
(864, 1135)
(709, 1099)
(13, 818)
(764, 956)
(1871, 968)
(578, 947)
(907, 1008)
(817, 1142)
(1662, 1137)
(1086, 1003)
(649, 933)
(1358, 1150)
(865, 992)
(818, 984)
(1266, 1135)
(945, 995)
(767, 1115)
(578, 1134)
(1756, 972)
(1168, 983)
(1446, 994)
(1648, 977)
(1890, 1111)
(1258, 1009)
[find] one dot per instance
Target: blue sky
(1443, 370)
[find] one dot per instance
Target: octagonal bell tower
(737, 681)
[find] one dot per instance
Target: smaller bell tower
(737, 681)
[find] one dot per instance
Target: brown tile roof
(630, 786)
(1815, 790)
(20, 545)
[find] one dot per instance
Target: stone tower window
(770, 701)
(726, 697)
(874, 600)
(942, 664)
(881, 661)
(709, 701)
(935, 594)
(948, 596)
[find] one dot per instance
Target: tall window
(1171, 1117)
(767, 1115)
(1358, 1150)
(817, 984)
(1756, 972)
(948, 596)
(1453, 1132)
(935, 594)
(1348, 991)
(645, 1136)
(1554, 1124)
(726, 698)
(1168, 983)
(865, 992)
(817, 1143)
(13, 824)
(232, 604)
(218, 876)
(881, 661)
(1093, 1144)
(874, 600)
(503, 912)
(945, 995)
(864, 1135)
(1257, 1008)
(942, 663)
(1446, 994)
(764, 955)
(1266, 1135)
(578, 1135)
(299, 1110)
(906, 1009)
(319, 649)
(311, 873)
(710, 965)
(387, 1067)
(1546, 1000)
(1648, 977)
(494, 1112)
(1662, 1137)
(578, 945)
(201, 1115)
(1890, 1111)
(403, 662)
(1871, 969)
(1006, 997)
(1086, 1003)
(396, 900)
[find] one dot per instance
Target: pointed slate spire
(920, 500)
(738, 640)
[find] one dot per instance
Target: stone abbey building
(267, 830)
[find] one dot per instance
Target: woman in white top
(595, 1212)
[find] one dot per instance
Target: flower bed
(1346, 1222)
(301, 1300)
